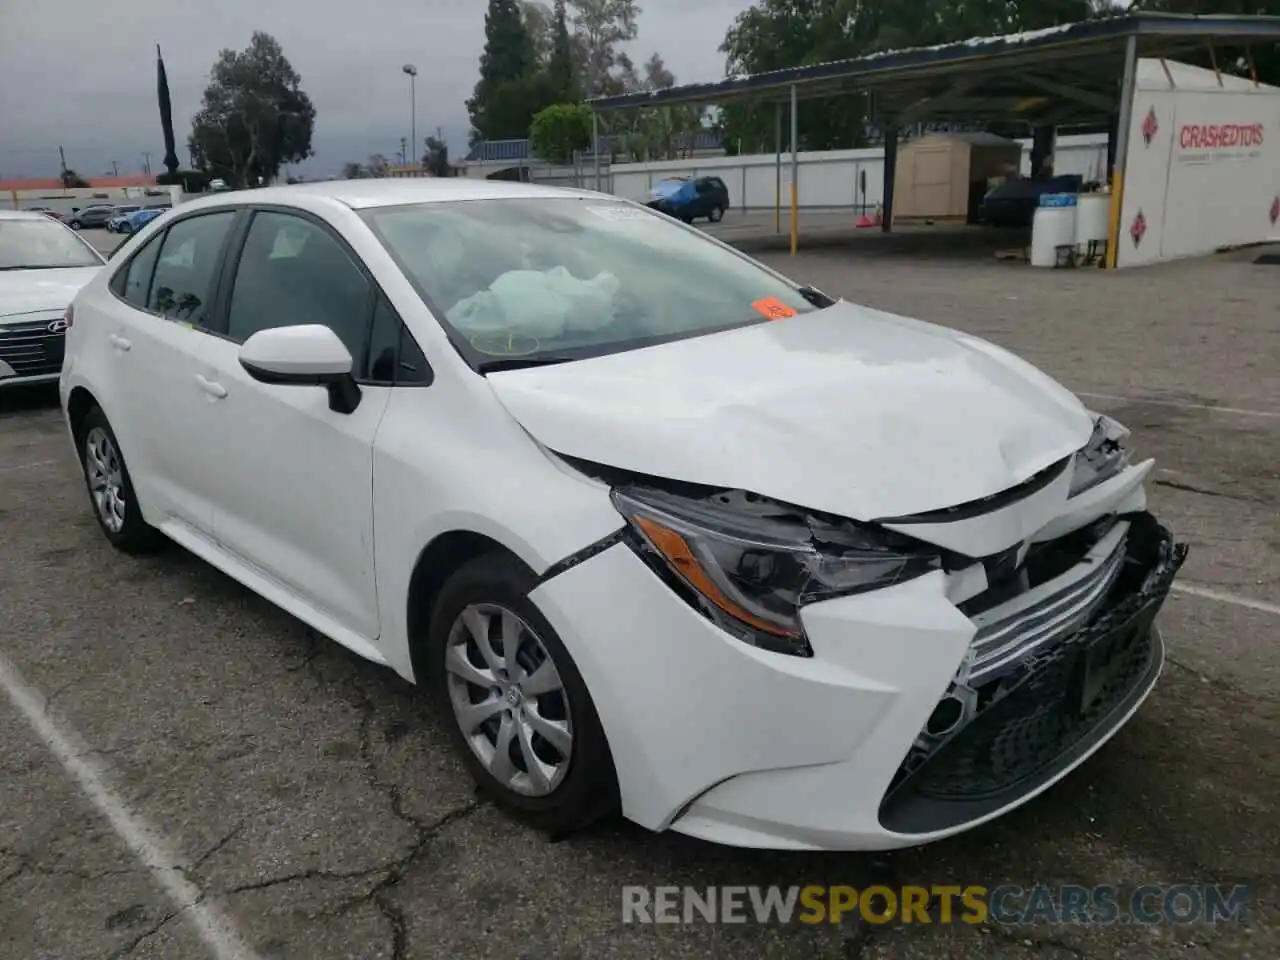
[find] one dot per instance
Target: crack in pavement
(1205, 492)
(128, 948)
(199, 861)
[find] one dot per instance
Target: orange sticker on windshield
(773, 308)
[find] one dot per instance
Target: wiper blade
(815, 296)
(519, 363)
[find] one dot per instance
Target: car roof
(22, 215)
(363, 194)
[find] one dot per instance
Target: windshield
(42, 244)
(565, 278)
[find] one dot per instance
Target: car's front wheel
(111, 489)
(74, 224)
(716, 215)
(522, 719)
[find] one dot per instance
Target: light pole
(412, 71)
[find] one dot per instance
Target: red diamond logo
(1275, 211)
(1138, 229)
(1150, 126)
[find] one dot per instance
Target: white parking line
(1205, 593)
(1185, 404)
(218, 933)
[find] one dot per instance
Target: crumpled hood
(30, 291)
(846, 410)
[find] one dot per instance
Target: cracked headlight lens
(1104, 456)
(750, 565)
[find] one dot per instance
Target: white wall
(826, 179)
(1194, 197)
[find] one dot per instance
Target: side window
(184, 274)
(293, 272)
(134, 281)
(394, 356)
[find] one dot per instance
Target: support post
(595, 145)
(1042, 137)
(890, 175)
(1123, 124)
(777, 167)
(795, 169)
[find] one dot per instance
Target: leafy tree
(436, 159)
(559, 130)
(254, 116)
(560, 61)
(71, 179)
(600, 27)
(352, 171)
(376, 166)
(656, 74)
(538, 22)
(498, 106)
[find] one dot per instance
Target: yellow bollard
(1113, 233)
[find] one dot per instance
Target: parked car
(119, 216)
(95, 216)
(1013, 203)
(42, 267)
(663, 530)
(690, 199)
(135, 221)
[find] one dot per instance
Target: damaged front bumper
(1057, 704)
(925, 708)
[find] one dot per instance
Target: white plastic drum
(1051, 228)
(1093, 218)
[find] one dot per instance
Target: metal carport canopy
(1080, 72)
(895, 76)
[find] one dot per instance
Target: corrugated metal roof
(879, 68)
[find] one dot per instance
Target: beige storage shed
(943, 176)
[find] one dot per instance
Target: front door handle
(215, 390)
(120, 343)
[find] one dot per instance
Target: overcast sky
(81, 73)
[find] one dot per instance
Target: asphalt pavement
(187, 765)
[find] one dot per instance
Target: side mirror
(303, 355)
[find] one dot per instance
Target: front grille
(29, 347)
(1046, 613)
(1063, 700)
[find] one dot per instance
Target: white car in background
(43, 265)
(663, 530)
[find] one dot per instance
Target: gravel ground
(311, 797)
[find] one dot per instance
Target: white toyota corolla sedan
(43, 265)
(663, 530)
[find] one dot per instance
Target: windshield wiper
(815, 296)
(49, 266)
(497, 364)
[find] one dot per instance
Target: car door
(295, 478)
(156, 325)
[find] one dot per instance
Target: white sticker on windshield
(619, 211)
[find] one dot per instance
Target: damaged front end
(1065, 649)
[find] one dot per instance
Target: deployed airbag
(539, 303)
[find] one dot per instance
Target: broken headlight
(1104, 456)
(750, 564)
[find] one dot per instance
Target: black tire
(135, 536)
(74, 224)
(588, 790)
(716, 215)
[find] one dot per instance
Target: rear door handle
(120, 343)
(215, 390)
